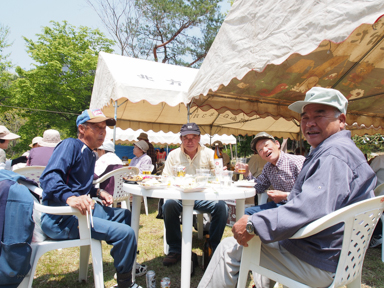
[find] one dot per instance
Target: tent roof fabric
(267, 54)
(158, 108)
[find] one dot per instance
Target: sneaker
(171, 259)
(140, 270)
(375, 241)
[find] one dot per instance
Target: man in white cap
(39, 156)
(334, 175)
(67, 180)
(5, 137)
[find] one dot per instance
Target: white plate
(196, 189)
(160, 186)
(243, 183)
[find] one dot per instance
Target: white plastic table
(213, 193)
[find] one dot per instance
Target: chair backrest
(31, 172)
(360, 220)
(118, 174)
(379, 190)
(109, 184)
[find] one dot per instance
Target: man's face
(190, 142)
(93, 134)
(318, 122)
(268, 150)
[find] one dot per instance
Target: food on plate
(133, 178)
(148, 182)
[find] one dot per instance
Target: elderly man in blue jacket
(67, 180)
(334, 175)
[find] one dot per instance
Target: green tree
(60, 86)
(5, 76)
(178, 32)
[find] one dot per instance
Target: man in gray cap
(280, 171)
(193, 156)
(334, 175)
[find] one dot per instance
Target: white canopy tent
(162, 138)
(267, 54)
(147, 95)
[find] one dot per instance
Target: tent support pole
(114, 128)
(188, 109)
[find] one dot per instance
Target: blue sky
(27, 17)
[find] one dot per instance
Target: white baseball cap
(320, 95)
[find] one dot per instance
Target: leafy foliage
(369, 143)
(5, 76)
(60, 86)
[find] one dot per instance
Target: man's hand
(246, 173)
(106, 197)
(277, 196)
(240, 233)
(83, 203)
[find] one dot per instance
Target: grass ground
(59, 268)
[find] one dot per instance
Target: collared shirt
(335, 175)
(139, 161)
(202, 160)
(69, 172)
(281, 176)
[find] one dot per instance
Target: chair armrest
(67, 210)
(57, 210)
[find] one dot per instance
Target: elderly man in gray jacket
(334, 175)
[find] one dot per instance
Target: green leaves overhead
(62, 81)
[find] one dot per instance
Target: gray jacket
(334, 175)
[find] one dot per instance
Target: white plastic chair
(359, 221)
(379, 191)
(119, 195)
(85, 242)
(31, 172)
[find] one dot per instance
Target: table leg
(240, 207)
(135, 222)
(186, 248)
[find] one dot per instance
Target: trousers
(258, 208)
(172, 210)
(110, 224)
(223, 269)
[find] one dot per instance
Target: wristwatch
(250, 229)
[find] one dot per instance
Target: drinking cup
(241, 162)
(226, 178)
(180, 170)
(146, 169)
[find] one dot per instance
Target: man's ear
(81, 128)
(277, 143)
(342, 118)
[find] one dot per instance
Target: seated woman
(140, 151)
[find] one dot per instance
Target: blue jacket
(16, 229)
